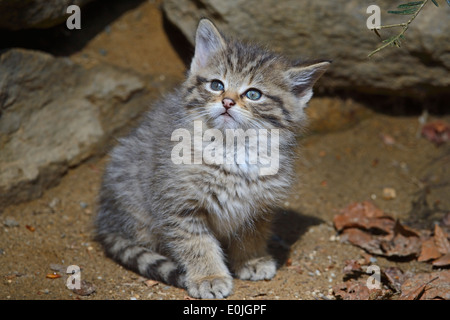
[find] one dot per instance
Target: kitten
(195, 224)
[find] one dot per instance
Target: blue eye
(253, 94)
(217, 85)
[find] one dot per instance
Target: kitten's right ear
(208, 41)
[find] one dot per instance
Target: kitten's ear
(208, 40)
(303, 77)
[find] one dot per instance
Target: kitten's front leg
(248, 254)
(199, 253)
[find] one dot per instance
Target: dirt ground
(335, 168)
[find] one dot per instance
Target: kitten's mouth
(226, 114)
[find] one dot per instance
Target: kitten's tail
(142, 260)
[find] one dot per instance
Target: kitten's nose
(228, 103)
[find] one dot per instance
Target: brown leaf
(446, 220)
(442, 261)
(352, 290)
(427, 286)
(151, 283)
(395, 277)
(366, 226)
(31, 228)
(429, 251)
(437, 132)
(352, 266)
(86, 288)
(363, 240)
(394, 245)
(404, 243)
(441, 241)
(53, 276)
(364, 215)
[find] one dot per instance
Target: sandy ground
(335, 169)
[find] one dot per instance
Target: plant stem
(405, 26)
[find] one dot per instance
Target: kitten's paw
(212, 287)
(258, 269)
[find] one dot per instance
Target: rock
(336, 30)
(54, 114)
(331, 114)
(10, 223)
(18, 15)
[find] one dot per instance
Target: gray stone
(336, 30)
(54, 114)
(18, 15)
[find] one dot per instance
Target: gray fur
(196, 225)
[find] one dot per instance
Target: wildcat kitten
(194, 225)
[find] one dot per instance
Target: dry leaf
(31, 228)
(151, 283)
(352, 290)
(362, 224)
(437, 132)
(363, 215)
(395, 277)
(441, 241)
(429, 251)
(53, 276)
(404, 243)
(442, 261)
(427, 286)
(86, 288)
(352, 266)
(362, 239)
(446, 220)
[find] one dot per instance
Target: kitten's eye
(253, 94)
(217, 85)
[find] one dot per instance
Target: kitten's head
(234, 85)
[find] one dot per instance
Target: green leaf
(411, 4)
(390, 39)
(435, 3)
(406, 11)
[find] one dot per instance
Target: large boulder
(336, 30)
(55, 113)
(18, 15)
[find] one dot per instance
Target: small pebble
(389, 193)
(52, 204)
(83, 205)
(10, 223)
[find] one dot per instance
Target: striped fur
(197, 225)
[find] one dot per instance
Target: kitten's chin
(226, 121)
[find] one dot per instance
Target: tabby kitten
(194, 225)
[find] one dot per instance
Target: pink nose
(228, 103)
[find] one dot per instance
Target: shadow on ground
(288, 228)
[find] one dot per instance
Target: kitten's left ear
(302, 78)
(208, 41)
